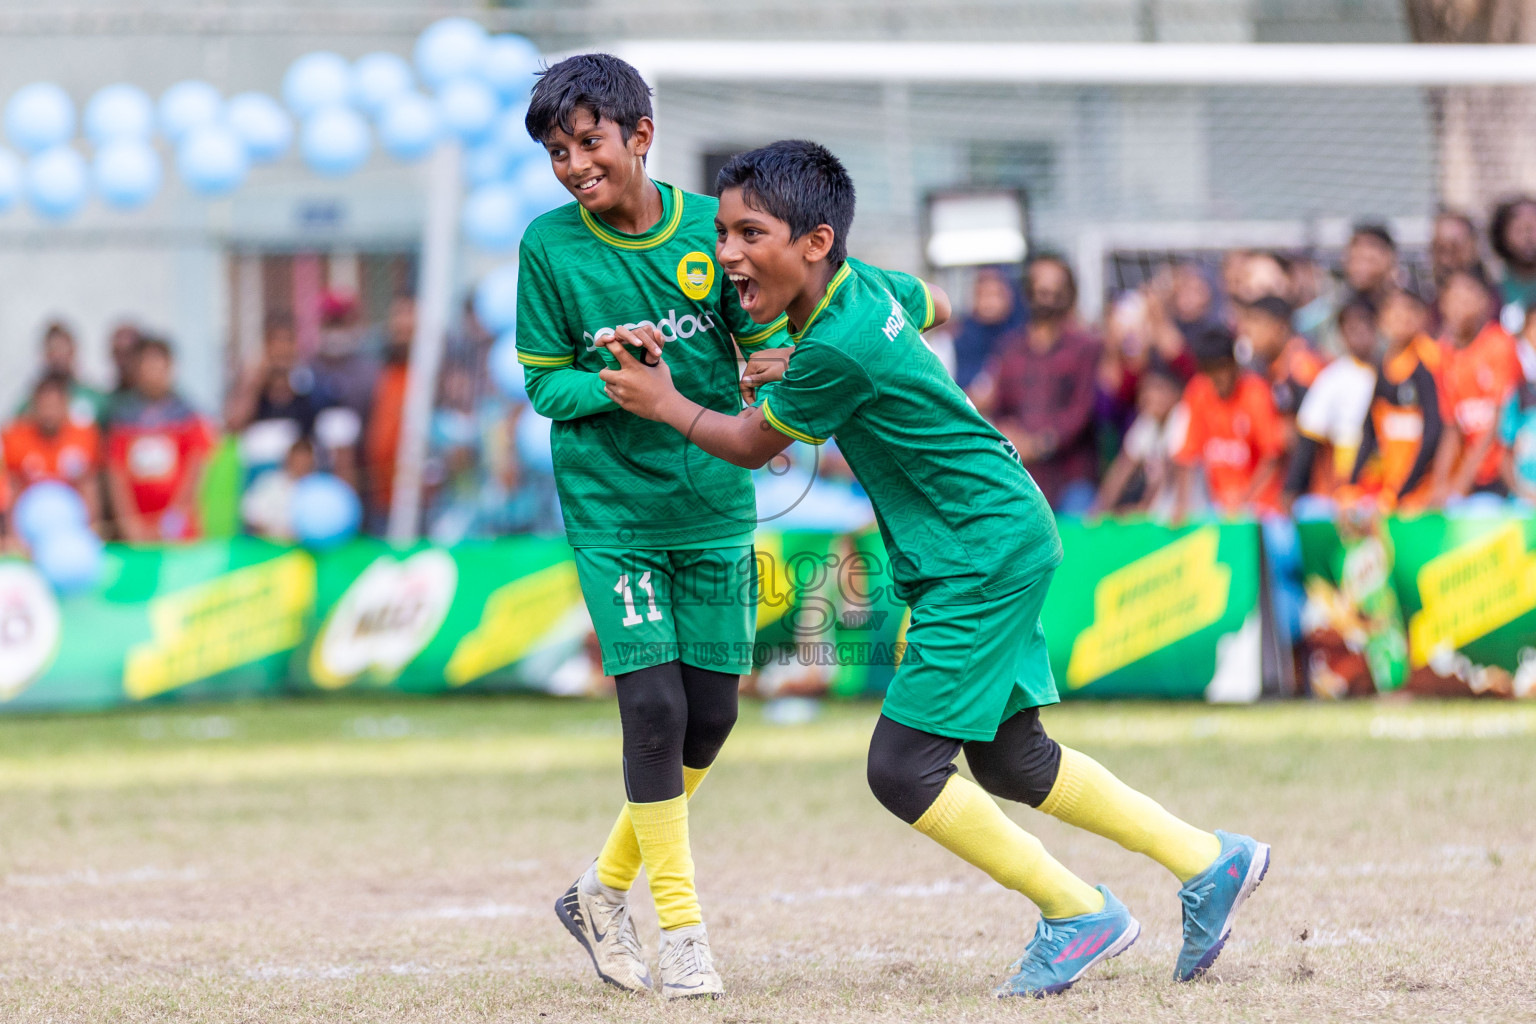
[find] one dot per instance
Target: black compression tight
(672, 715)
(908, 767)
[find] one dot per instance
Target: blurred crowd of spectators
(141, 455)
(1245, 382)
(1266, 383)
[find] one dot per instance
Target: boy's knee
(1021, 767)
(908, 769)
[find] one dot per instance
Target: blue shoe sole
(1205, 962)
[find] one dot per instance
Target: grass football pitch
(395, 860)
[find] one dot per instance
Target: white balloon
(39, 116)
(127, 173)
(468, 107)
(212, 160)
(188, 105)
(449, 48)
(315, 81)
(509, 65)
(493, 217)
(496, 299)
(262, 124)
(119, 112)
(410, 127)
(335, 141)
(57, 182)
(379, 78)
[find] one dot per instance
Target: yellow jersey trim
(762, 334)
(531, 359)
(929, 312)
(784, 428)
(635, 243)
(843, 273)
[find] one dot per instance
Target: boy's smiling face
(595, 163)
(769, 269)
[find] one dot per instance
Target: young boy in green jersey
(662, 532)
(972, 546)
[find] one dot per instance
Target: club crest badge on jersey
(696, 275)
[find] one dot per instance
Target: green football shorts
(651, 606)
(968, 668)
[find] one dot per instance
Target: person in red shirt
(382, 441)
(1480, 369)
(1234, 435)
(45, 443)
(157, 448)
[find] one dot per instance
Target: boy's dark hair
(151, 343)
(52, 382)
(1212, 345)
(599, 83)
(1498, 225)
(1358, 305)
(1273, 306)
(1059, 260)
(1475, 274)
(1376, 231)
(800, 183)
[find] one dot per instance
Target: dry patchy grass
(397, 861)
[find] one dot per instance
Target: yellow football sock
(662, 829)
(966, 822)
(1088, 796)
(618, 865)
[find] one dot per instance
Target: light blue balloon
(39, 116)
(70, 559)
(511, 134)
(469, 107)
(533, 442)
(409, 127)
(507, 373)
(509, 65)
(335, 141)
(12, 179)
(262, 124)
(493, 217)
(119, 112)
(47, 506)
(127, 173)
(316, 81)
(496, 299)
(449, 48)
(212, 160)
(378, 79)
(325, 511)
(185, 106)
(539, 189)
(57, 182)
(485, 163)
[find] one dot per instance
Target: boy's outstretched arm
(746, 439)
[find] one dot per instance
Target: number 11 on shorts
(632, 617)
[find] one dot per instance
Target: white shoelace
(690, 954)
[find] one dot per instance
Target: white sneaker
(599, 919)
(687, 968)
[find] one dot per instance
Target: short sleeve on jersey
(822, 388)
(542, 337)
(911, 292)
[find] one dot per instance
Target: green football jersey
(624, 480)
(959, 514)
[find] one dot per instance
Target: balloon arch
(462, 96)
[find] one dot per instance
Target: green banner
(1139, 610)
(1430, 604)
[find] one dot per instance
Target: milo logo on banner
(1151, 603)
(385, 619)
(29, 628)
